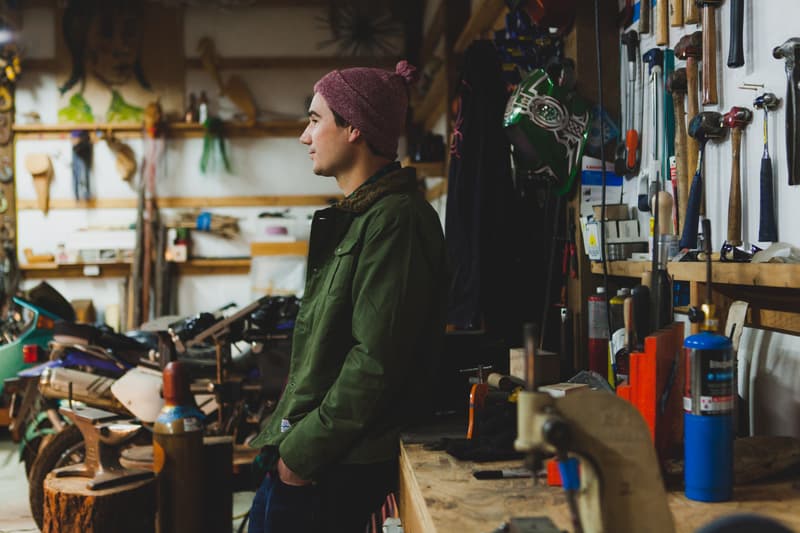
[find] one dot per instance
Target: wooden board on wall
(162, 60)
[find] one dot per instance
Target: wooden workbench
(438, 494)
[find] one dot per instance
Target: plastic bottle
(598, 332)
(178, 455)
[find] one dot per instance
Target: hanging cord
(603, 246)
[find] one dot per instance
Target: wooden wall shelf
(426, 169)
(747, 274)
(258, 249)
(188, 202)
(483, 18)
(175, 130)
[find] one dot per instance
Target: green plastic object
(121, 111)
(548, 126)
(77, 111)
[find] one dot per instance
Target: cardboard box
(548, 365)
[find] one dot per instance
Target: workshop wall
(263, 166)
(766, 25)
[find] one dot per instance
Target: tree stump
(70, 506)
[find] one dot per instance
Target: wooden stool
(69, 505)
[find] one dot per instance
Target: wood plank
(437, 191)
(214, 267)
(175, 130)
(414, 513)
(298, 62)
(279, 248)
(187, 202)
(484, 18)
(75, 270)
(747, 274)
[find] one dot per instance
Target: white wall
(763, 29)
(271, 166)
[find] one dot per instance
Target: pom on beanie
(373, 100)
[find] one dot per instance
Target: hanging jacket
(369, 330)
(481, 204)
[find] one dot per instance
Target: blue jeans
(341, 501)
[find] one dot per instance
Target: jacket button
(339, 250)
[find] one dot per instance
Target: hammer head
(676, 81)
(707, 126)
(737, 117)
(690, 46)
(767, 101)
(789, 51)
(654, 58)
(708, 3)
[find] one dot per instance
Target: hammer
(767, 230)
(736, 119)
(789, 51)
(690, 48)
(704, 127)
(736, 49)
(709, 50)
(676, 86)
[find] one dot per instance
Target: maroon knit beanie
(371, 99)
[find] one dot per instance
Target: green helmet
(547, 125)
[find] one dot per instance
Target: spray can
(708, 404)
(178, 455)
(598, 332)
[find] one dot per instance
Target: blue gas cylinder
(708, 404)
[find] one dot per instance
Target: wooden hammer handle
(645, 8)
(735, 197)
(662, 22)
(680, 156)
(692, 14)
(676, 13)
(710, 55)
(692, 146)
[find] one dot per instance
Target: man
(371, 323)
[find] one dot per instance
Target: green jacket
(369, 331)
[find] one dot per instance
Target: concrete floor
(15, 515)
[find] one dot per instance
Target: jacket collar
(400, 180)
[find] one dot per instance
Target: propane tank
(598, 332)
(178, 455)
(708, 403)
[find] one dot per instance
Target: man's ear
(354, 135)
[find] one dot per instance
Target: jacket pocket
(343, 264)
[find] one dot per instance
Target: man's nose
(305, 138)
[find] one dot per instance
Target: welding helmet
(547, 125)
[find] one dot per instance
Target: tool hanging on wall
(124, 157)
(234, 88)
(736, 49)
(789, 51)
(692, 13)
(767, 228)
(704, 127)
(654, 59)
(710, 50)
(632, 136)
(645, 14)
(689, 48)
(676, 85)
(662, 22)
(736, 119)
(676, 13)
(41, 169)
(81, 164)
